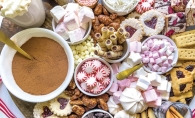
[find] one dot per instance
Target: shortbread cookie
(181, 80)
(182, 34)
(184, 98)
(134, 15)
(186, 54)
(151, 113)
(134, 28)
(61, 105)
(41, 110)
(185, 41)
(152, 22)
(144, 114)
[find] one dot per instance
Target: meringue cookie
(122, 114)
(132, 101)
(113, 107)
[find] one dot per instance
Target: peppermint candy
(81, 76)
(97, 89)
(106, 81)
(97, 64)
(88, 68)
(91, 81)
(100, 74)
(84, 86)
(106, 70)
(145, 6)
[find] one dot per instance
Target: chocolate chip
(168, 77)
(190, 68)
(182, 87)
(180, 74)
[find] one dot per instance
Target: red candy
(144, 5)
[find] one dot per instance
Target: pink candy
(150, 95)
(155, 103)
(124, 83)
(114, 88)
(116, 97)
(135, 46)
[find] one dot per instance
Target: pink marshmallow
(150, 55)
(146, 53)
(166, 63)
(154, 47)
(171, 48)
(158, 60)
(142, 55)
(155, 103)
(155, 55)
(115, 68)
(144, 48)
(168, 52)
(150, 65)
(61, 28)
(170, 59)
(155, 67)
(133, 85)
(150, 43)
(159, 70)
(163, 69)
(162, 45)
(162, 50)
(163, 58)
(150, 95)
(149, 88)
(124, 83)
(152, 60)
(116, 97)
(132, 79)
(114, 88)
(145, 60)
(135, 46)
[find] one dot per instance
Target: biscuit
(151, 113)
(61, 105)
(186, 54)
(185, 41)
(181, 98)
(181, 80)
(144, 114)
(182, 34)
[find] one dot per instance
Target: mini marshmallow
(163, 58)
(170, 59)
(166, 63)
(158, 60)
(150, 65)
(124, 66)
(132, 78)
(145, 60)
(144, 48)
(155, 47)
(163, 69)
(71, 21)
(155, 79)
(168, 87)
(150, 55)
(140, 72)
(142, 55)
(133, 85)
(135, 46)
(162, 50)
(152, 61)
(114, 78)
(76, 35)
(85, 14)
(171, 48)
(143, 83)
(62, 31)
(146, 53)
(116, 97)
(165, 95)
(163, 86)
(168, 52)
(155, 55)
(72, 7)
(124, 83)
(155, 103)
(114, 88)
(155, 67)
(149, 43)
(150, 95)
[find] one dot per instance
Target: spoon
(9, 42)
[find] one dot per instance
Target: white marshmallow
(144, 48)
(163, 86)
(164, 95)
(162, 50)
(76, 35)
(134, 59)
(57, 13)
(168, 87)
(155, 79)
(140, 72)
(72, 7)
(71, 21)
(124, 66)
(143, 83)
(84, 25)
(85, 14)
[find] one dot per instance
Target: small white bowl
(97, 110)
(78, 69)
(119, 13)
(8, 53)
(54, 24)
(126, 47)
(175, 52)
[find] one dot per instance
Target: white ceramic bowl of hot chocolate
(7, 56)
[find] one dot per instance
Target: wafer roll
(98, 37)
(119, 33)
(112, 54)
(113, 38)
(102, 45)
(100, 53)
(116, 48)
(111, 30)
(109, 44)
(124, 37)
(105, 33)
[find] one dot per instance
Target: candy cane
(5, 110)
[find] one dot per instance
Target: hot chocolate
(46, 72)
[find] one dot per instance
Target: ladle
(6, 40)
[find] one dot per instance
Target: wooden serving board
(10, 29)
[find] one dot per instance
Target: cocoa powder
(46, 72)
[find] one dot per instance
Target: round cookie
(134, 15)
(153, 22)
(61, 105)
(134, 28)
(41, 110)
(181, 81)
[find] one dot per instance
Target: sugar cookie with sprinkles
(153, 22)
(42, 110)
(60, 105)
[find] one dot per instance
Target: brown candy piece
(103, 105)
(76, 102)
(89, 102)
(105, 97)
(78, 109)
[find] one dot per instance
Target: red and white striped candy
(145, 6)
(138, 9)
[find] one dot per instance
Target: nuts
(78, 110)
(102, 105)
